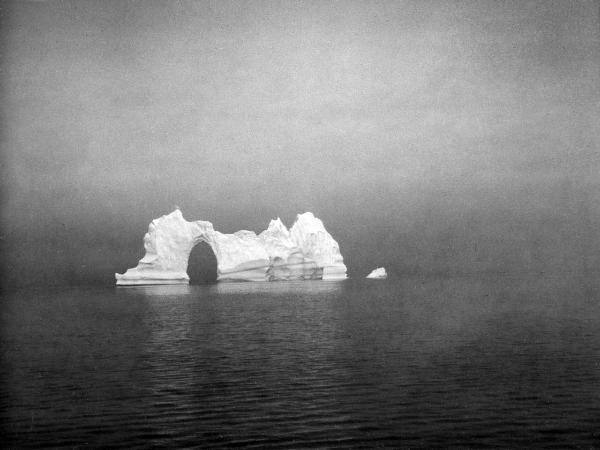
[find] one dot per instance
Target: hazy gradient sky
(428, 136)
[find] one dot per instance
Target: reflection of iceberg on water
(378, 273)
(309, 287)
(304, 252)
(159, 290)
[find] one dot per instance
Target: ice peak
(276, 230)
(305, 216)
(176, 213)
(276, 225)
(308, 223)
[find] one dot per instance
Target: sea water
(419, 362)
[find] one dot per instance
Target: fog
(430, 137)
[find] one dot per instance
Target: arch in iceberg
(202, 264)
(306, 251)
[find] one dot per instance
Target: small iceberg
(378, 273)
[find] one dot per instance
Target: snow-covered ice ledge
(304, 252)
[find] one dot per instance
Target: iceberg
(379, 273)
(304, 252)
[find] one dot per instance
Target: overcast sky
(428, 136)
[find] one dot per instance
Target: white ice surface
(306, 251)
(378, 273)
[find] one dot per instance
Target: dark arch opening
(202, 264)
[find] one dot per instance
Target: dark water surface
(415, 362)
